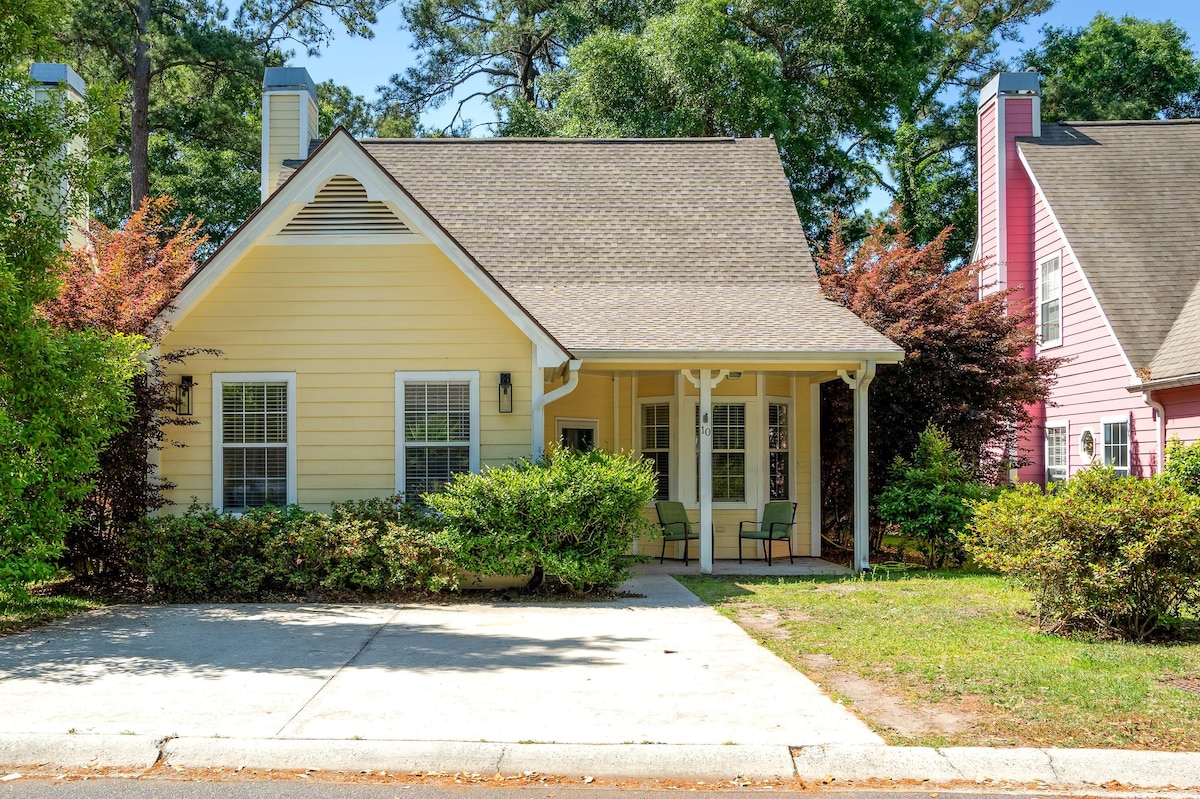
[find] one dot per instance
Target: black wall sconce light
(506, 392)
(183, 395)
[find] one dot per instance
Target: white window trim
(219, 379)
(756, 451)
(1083, 456)
(1052, 343)
(1065, 426)
(1127, 419)
(576, 423)
(471, 378)
(791, 450)
(672, 455)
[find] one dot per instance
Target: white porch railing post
(706, 520)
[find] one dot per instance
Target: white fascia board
(341, 155)
(1041, 195)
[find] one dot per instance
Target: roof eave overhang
(733, 357)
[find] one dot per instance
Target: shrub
(371, 547)
(931, 499)
(1182, 466)
(571, 514)
(1115, 555)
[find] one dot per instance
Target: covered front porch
(725, 438)
(803, 567)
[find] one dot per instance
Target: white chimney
(289, 120)
(55, 83)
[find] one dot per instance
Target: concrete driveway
(662, 669)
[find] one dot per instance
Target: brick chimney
(289, 120)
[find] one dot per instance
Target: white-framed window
(1087, 446)
(437, 429)
(1056, 452)
(1116, 444)
(254, 439)
(728, 452)
(1049, 291)
(779, 472)
(656, 443)
(579, 435)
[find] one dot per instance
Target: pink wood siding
(989, 228)
(1182, 406)
(1091, 387)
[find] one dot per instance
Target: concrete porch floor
(803, 567)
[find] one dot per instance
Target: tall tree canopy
(1125, 68)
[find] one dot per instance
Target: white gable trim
(1037, 187)
(341, 155)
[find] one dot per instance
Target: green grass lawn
(964, 646)
(19, 613)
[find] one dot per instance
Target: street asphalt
(659, 686)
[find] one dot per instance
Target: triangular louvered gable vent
(341, 208)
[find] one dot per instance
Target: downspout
(1160, 429)
(540, 402)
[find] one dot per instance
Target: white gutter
(540, 401)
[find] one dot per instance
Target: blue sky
(365, 65)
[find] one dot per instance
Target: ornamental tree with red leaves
(120, 282)
(969, 365)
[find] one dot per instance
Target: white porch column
(862, 520)
(705, 382)
(706, 520)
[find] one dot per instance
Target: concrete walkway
(660, 686)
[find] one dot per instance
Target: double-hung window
(1050, 301)
(1116, 445)
(656, 444)
(254, 440)
(728, 452)
(778, 472)
(437, 429)
(1056, 453)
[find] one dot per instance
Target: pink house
(1098, 226)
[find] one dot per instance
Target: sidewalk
(655, 687)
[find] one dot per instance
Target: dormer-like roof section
(1127, 195)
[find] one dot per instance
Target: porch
(723, 442)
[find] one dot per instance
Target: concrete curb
(1060, 767)
(79, 751)
(604, 760)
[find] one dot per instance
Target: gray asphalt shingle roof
(635, 245)
(1127, 195)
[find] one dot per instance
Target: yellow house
(397, 311)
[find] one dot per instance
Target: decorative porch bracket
(704, 380)
(859, 383)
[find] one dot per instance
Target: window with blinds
(728, 452)
(778, 472)
(254, 443)
(1050, 301)
(656, 444)
(437, 434)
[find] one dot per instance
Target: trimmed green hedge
(374, 547)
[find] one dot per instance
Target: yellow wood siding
(345, 320)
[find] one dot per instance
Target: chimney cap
(57, 75)
(283, 78)
(1029, 83)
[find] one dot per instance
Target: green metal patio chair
(673, 519)
(777, 521)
